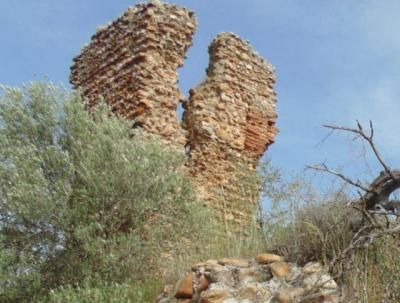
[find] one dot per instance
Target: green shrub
(83, 195)
(110, 292)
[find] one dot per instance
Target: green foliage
(94, 211)
(83, 196)
(282, 200)
(110, 292)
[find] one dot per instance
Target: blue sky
(336, 61)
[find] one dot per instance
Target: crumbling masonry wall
(132, 63)
(229, 118)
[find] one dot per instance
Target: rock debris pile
(267, 278)
(229, 118)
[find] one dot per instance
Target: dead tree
(373, 198)
(380, 189)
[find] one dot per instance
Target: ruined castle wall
(230, 119)
(132, 63)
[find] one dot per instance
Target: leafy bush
(84, 196)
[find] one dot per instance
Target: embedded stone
(289, 295)
(216, 295)
(280, 269)
(222, 134)
(221, 274)
(234, 262)
(253, 274)
(319, 280)
(206, 264)
(253, 292)
(268, 258)
(248, 292)
(203, 283)
(185, 289)
(312, 267)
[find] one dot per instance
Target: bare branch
(371, 130)
(379, 190)
(321, 142)
(363, 238)
(322, 167)
(365, 214)
(369, 138)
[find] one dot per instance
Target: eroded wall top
(132, 63)
(235, 104)
(230, 118)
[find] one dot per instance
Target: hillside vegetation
(94, 211)
(85, 201)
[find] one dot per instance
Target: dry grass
(320, 232)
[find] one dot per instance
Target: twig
(369, 138)
(371, 228)
(359, 241)
(322, 167)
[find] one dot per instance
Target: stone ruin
(132, 63)
(229, 118)
(267, 278)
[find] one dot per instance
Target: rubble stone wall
(229, 118)
(132, 63)
(266, 278)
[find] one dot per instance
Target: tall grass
(320, 228)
